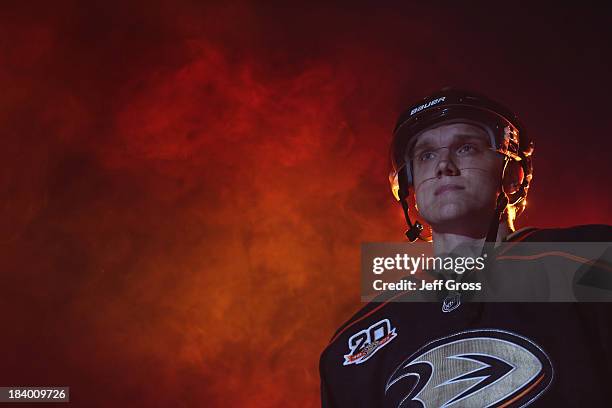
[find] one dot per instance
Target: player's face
(456, 177)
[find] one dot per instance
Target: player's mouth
(448, 187)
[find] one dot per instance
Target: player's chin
(450, 210)
(466, 211)
(445, 213)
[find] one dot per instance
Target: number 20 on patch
(363, 344)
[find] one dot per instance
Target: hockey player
(466, 160)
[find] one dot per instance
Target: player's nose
(446, 166)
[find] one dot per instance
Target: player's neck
(463, 245)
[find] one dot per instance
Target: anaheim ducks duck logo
(479, 368)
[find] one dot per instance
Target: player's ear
(513, 177)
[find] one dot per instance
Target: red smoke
(186, 188)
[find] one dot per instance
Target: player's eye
(467, 149)
(426, 155)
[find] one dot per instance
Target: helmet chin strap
(500, 206)
(502, 202)
(414, 230)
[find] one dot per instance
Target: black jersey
(479, 355)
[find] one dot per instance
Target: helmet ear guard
(400, 186)
(400, 181)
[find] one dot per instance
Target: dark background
(185, 186)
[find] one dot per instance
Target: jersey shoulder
(578, 233)
(366, 311)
